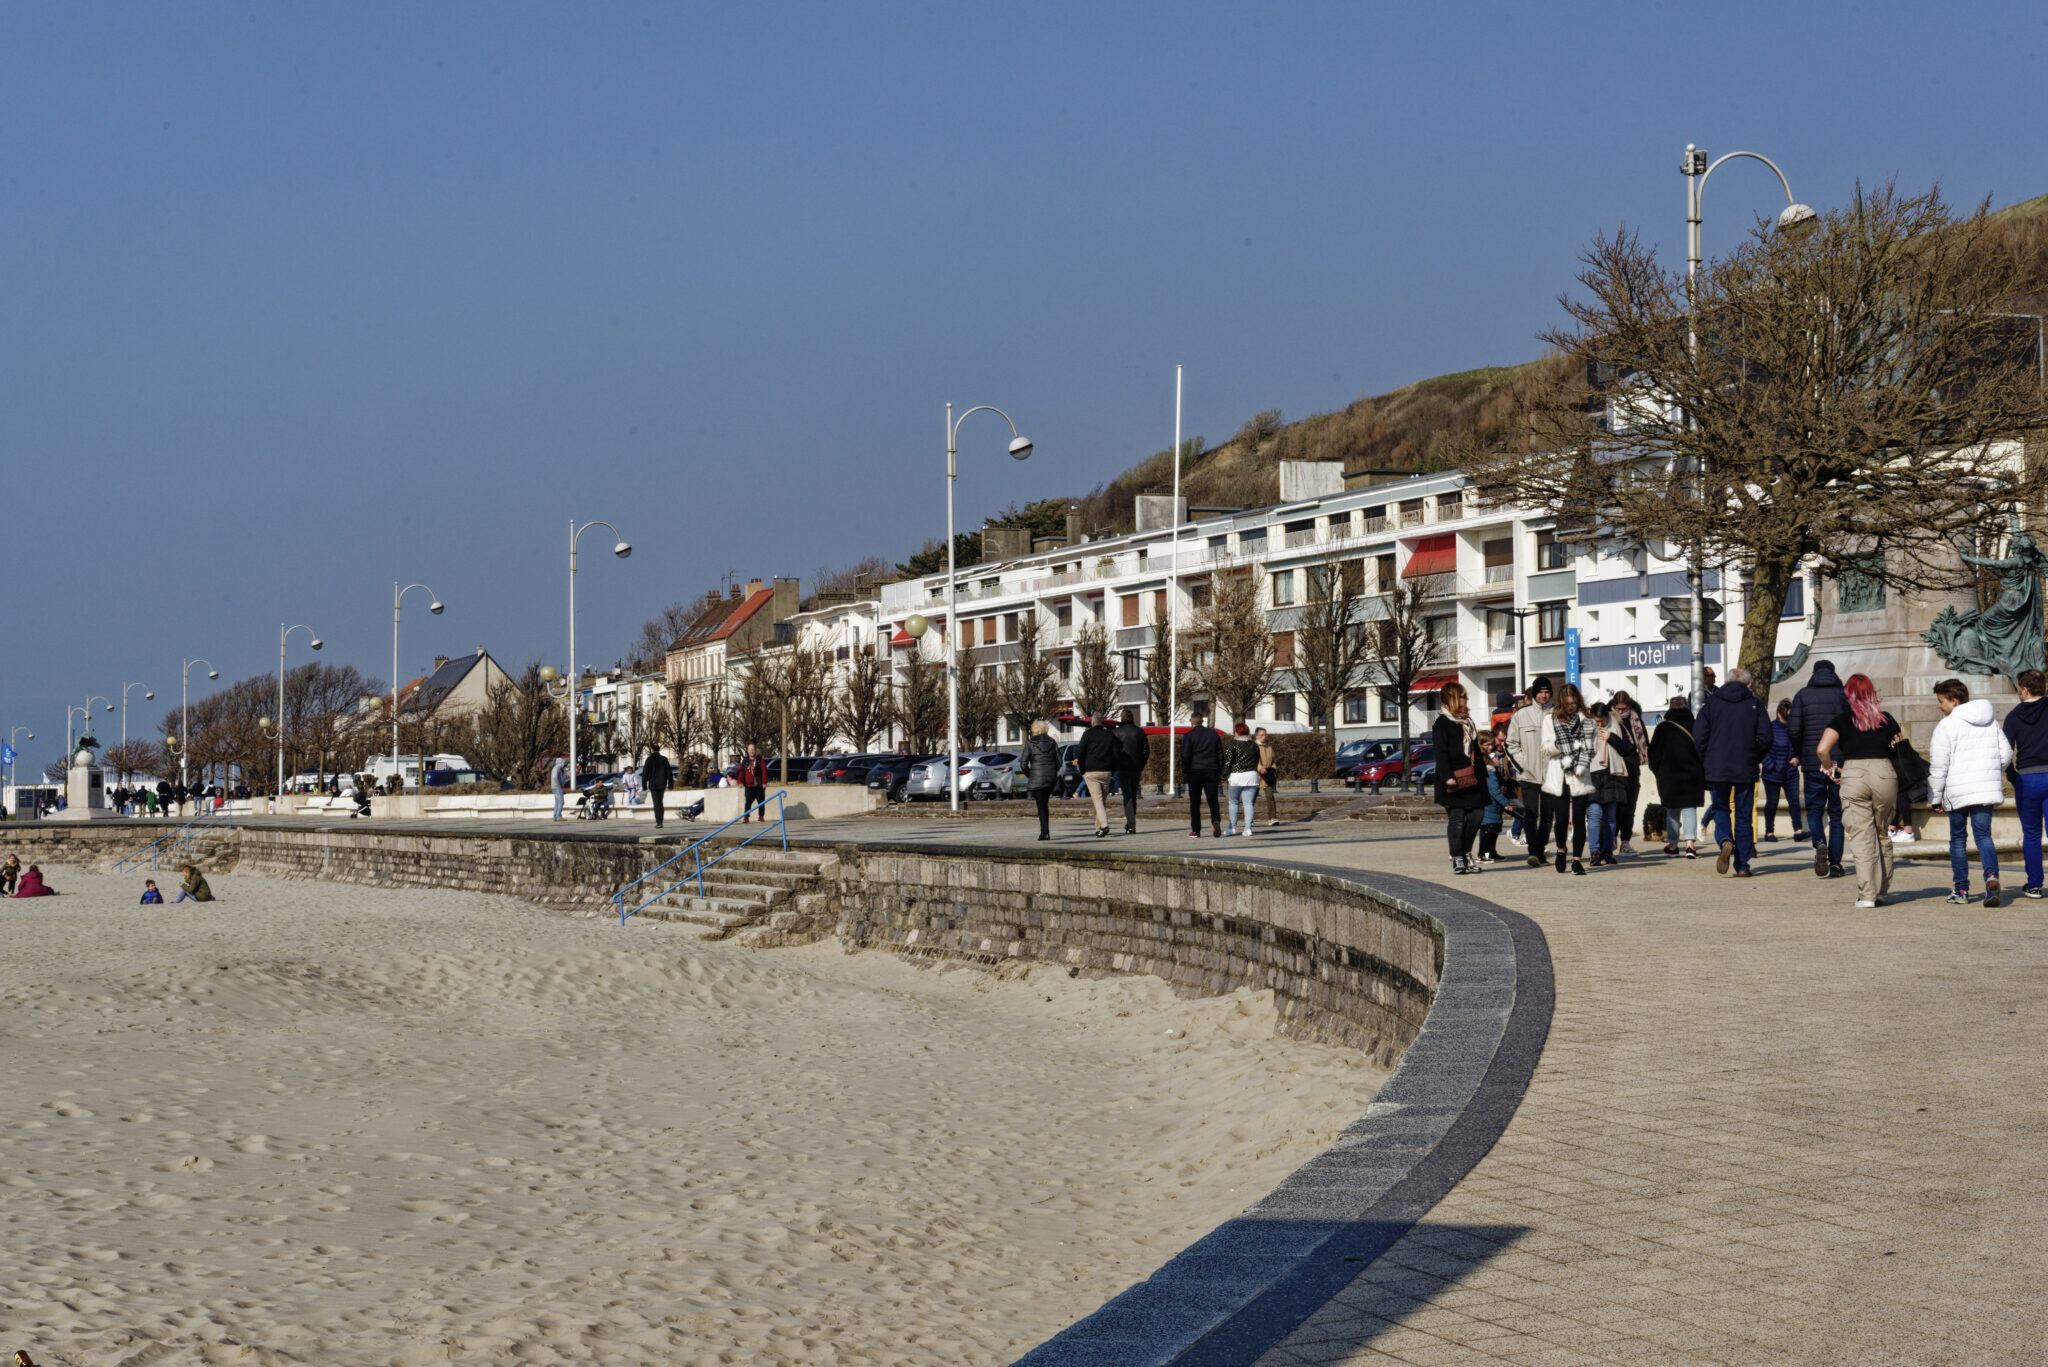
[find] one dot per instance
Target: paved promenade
(1767, 1127)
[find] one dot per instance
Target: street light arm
(953, 432)
(577, 535)
(1755, 156)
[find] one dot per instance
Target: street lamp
(86, 712)
(10, 751)
(435, 607)
(282, 633)
(1794, 216)
(621, 550)
(184, 695)
(1020, 449)
(147, 696)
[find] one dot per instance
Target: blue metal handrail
(696, 852)
(224, 815)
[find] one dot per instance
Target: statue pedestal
(85, 793)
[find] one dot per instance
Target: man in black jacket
(1201, 758)
(1814, 707)
(1098, 756)
(1134, 751)
(2026, 726)
(654, 776)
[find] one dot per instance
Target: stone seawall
(1347, 965)
(571, 874)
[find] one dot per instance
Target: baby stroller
(595, 804)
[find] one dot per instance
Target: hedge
(1297, 757)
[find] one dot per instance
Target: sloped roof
(723, 619)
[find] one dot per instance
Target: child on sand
(150, 896)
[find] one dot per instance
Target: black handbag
(1909, 764)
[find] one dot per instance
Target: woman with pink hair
(1856, 752)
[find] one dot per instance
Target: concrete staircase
(745, 889)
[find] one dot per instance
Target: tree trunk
(1772, 580)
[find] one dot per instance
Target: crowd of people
(168, 798)
(1566, 777)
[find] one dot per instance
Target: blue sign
(6, 754)
(1571, 656)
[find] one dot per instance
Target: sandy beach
(313, 1123)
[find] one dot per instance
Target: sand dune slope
(326, 1124)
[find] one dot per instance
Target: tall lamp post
(283, 633)
(86, 712)
(1793, 216)
(147, 696)
(10, 751)
(435, 607)
(621, 550)
(1020, 449)
(184, 699)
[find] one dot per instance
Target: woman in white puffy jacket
(1968, 759)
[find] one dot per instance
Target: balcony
(1449, 512)
(1374, 525)
(1500, 574)
(1304, 537)
(1133, 638)
(1411, 517)
(1343, 531)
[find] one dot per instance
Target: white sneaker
(1903, 838)
(1866, 901)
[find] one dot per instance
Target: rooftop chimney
(439, 662)
(754, 586)
(737, 593)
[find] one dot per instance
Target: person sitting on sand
(32, 884)
(150, 896)
(10, 872)
(194, 888)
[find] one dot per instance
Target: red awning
(1433, 555)
(901, 638)
(1430, 683)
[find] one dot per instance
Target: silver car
(928, 779)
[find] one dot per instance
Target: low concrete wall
(578, 874)
(1346, 966)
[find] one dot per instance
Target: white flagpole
(1173, 600)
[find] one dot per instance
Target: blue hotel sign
(1571, 656)
(1634, 655)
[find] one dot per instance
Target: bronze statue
(2006, 637)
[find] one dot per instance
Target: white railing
(1375, 524)
(1449, 512)
(1411, 517)
(1305, 537)
(1500, 574)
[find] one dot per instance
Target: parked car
(890, 772)
(1388, 768)
(927, 778)
(1355, 753)
(844, 769)
(1070, 769)
(992, 774)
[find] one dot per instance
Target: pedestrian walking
(655, 775)
(634, 786)
(1734, 734)
(1525, 749)
(1500, 792)
(1134, 752)
(1681, 778)
(1567, 749)
(1611, 749)
(558, 782)
(1968, 756)
(1098, 757)
(2026, 726)
(1628, 724)
(1269, 775)
(1241, 781)
(1041, 774)
(1855, 752)
(1814, 709)
(1460, 775)
(1201, 759)
(1781, 774)
(752, 776)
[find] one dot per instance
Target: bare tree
(1857, 396)
(1331, 647)
(1227, 650)
(980, 705)
(861, 706)
(1406, 638)
(135, 757)
(1095, 682)
(650, 649)
(519, 730)
(1027, 688)
(874, 569)
(1159, 683)
(785, 691)
(917, 706)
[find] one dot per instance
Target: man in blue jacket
(1733, 734)
(1814, 709)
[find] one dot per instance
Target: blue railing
(222, 817)
(695, 853)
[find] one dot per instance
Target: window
(1130, 602)
(1134, 666)
(1795, 598)
(1550, 620)
(1316, 581)
(1450, 507)
(1383, 572)
(1390, 707)
(1442, 630)
(1500, 629)
(1283, 707)
(1283, 588)
(1159, 606)
(1550, 552)
(1283, 650)
(1353, 574)
(1500, 560)
(1065, 612)
(1357, 709)
(1064, 664)
(1009, 628)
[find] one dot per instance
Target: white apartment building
(1518, 599)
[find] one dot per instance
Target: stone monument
(85, 787)
(2006, 637)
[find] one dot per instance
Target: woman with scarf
(1611, 764)
(1568, 740)
(1628, 724)
(1456, 752)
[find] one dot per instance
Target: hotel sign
(1639, 655)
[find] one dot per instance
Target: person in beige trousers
(1856, 752)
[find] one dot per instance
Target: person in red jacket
(753, 776)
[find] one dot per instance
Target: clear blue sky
(302, 299)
